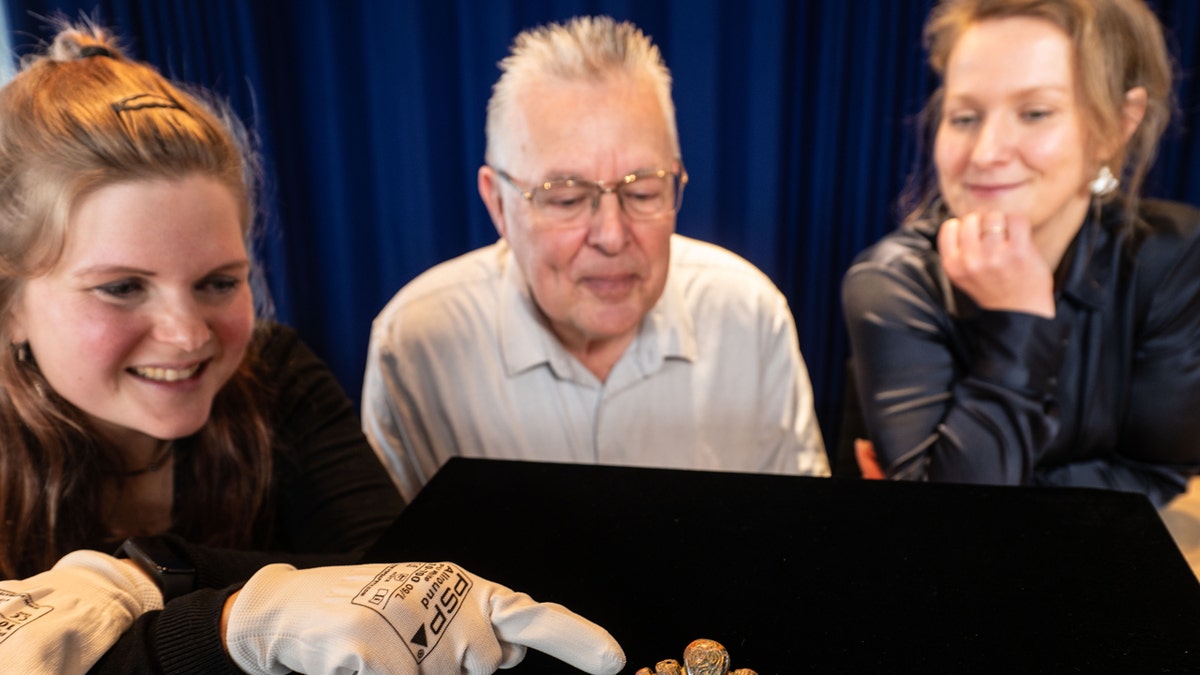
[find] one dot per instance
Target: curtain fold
(797, 122)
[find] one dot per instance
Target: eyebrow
(1020, 93)
(555, 176)
(98, 270)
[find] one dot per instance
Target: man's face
(595, 279)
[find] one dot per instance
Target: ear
(489, 191)
(1133, 111)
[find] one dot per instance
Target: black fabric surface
(797, 574)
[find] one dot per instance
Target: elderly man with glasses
(590, 332)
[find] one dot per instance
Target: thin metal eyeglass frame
(607, 188)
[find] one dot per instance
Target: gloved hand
(64, 619)
(403, 618)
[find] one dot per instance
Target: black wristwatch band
(171, 571)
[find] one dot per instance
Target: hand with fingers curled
(992, 258)
(701, 657)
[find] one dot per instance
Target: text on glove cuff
(397, 592)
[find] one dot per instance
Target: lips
(610, 287)
(163, 374)
(991, 189)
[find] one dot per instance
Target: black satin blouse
(1106, 394)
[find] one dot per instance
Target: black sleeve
(936, 407)
(182, 638)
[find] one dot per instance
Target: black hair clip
(143, 101)
(89, 51)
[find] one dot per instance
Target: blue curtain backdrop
(796, 119)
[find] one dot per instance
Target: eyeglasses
(567, 202)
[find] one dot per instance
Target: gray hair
(585, 49)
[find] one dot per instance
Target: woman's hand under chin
(992, 258)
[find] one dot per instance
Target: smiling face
(148, 312)
(1011, 137)
(593, 283)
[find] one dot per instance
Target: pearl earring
(1105, 183)
(22, 350)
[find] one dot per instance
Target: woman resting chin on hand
(1033, 322)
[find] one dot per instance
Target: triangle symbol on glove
(420, 638)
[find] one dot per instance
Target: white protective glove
(64, 619)
(403, 618)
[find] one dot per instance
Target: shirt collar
(525, 340)
(668, 330)
(1087, 267)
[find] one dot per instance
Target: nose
(183, 325)
(994, 142)
(608, 231)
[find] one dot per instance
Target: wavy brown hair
(78, 117)
(1117, 44)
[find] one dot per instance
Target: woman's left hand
(991, 257)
